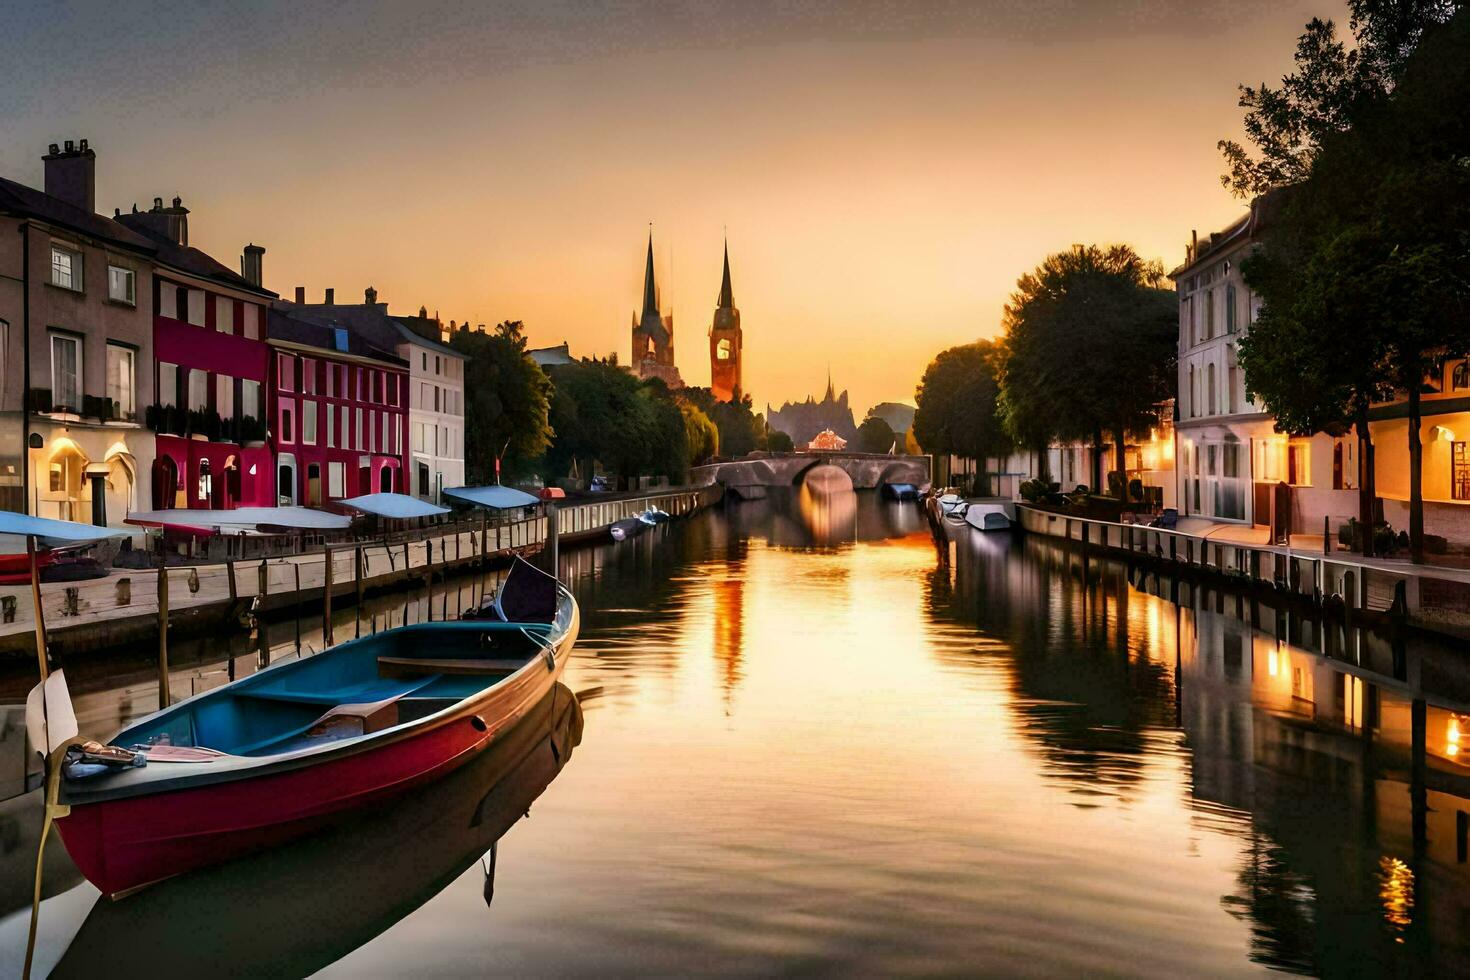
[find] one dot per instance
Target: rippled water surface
(812, 741)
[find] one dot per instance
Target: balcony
(205, 424)
(93, 408)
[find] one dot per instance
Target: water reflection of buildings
(1338, 757)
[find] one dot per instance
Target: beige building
(1231, 463)
(1444, 434)
(76, 349)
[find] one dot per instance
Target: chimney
(176, 222)
(250, 263)
(300, 295)
(370, 296)
(331, 296)
(71, 175)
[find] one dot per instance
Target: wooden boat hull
(122, 843)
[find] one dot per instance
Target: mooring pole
(358, 623)
(36, 605)
(163, 698)
(327, 598)
(429, 567)
(553, 541)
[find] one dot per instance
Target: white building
(435, 409)
(1232, 465)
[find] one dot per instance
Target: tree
(875, 436)
(598, 416)
(506, 402)
(779, 442)
(1364, 270)
(741, 430)
(1090, 347)
(1328, 89)
(700, 433)
(956, 402)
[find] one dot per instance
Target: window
(66, 268)
(288, 417)
(425, 365)
(1193, 394)
(251, 321)
(357, 443)
(224, 396)
(337, 479)
(372, 431)
(308, 422)
(250, 399)
(418, 437)
(66, 372)
(1230, 309)
(1212, 396)
(308, 376)
(346, 423)
(436, 398)
(196, 307)
(313, 485)
(122, 285)
(224, 314)
(168, 383)
(424, 480)
(198, 390)
(1345, 464)
(286, 372)
(1459, 472)
(206, 481)
(722, 351)
(1209, 313)
(120, 381)
(437, 368)
(331, 424)
(1298, 464)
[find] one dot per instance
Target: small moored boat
(987, 517)
(627, 528)
(284, 751)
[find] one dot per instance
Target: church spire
(650, 289)
(727, 295)
(831, 395)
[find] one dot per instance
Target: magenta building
(338, 411)
(211, 366)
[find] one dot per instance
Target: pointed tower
(725, 341)
(653, 333)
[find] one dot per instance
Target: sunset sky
(885, 170)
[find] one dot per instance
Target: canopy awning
(243, 519)
(497, 498)
(51, 532)
(396, 505)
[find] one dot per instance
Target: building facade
(653, 333)
(76, 346)
(1232, 463)
(339, 420)
(1444, 437)
(435, 394)
(210, 371)
(725, 343)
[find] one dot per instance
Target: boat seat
(419, 666)
(351, 720)
(366, 692)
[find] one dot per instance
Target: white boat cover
(396, 505)
(497, 498)
(50, 532)
(244, 518)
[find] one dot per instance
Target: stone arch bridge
(868, 471)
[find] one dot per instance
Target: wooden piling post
(327, 598)
(1326, 537)
(163, 695)
(429, 567)
(234, 589)
(357, 624)
(36, 605)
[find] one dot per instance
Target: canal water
(797, 736)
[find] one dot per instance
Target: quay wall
(123, 607)
(1437, 600)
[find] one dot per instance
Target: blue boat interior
(352, 690)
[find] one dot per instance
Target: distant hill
(900, 417)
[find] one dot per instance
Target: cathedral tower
(724, 343)
(653, 333)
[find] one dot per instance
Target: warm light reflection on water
(813, 745)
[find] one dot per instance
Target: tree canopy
(956, 410)
(1327, 91)
(1363, 267)
(506, 401)
(1090, 347)
(874, 436)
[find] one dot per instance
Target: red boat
(284, 751)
